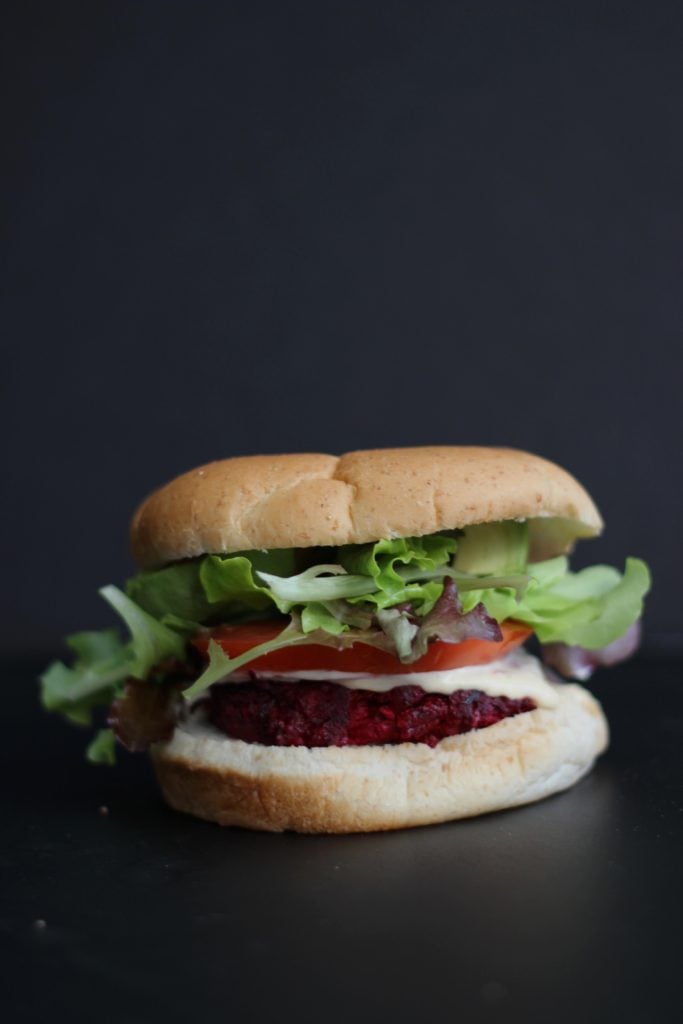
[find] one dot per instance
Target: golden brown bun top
(299, 501)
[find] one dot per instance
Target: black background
(242, 227)
(245, 227)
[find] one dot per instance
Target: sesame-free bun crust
(285, 501)
(372, 788)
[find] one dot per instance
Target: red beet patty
(325, 714)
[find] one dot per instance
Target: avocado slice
(494, 548)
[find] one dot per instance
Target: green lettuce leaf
(380, 559)
(600, 607)
(103, 662)
(383, 561)
(229, 582)
(221, 664)
(151, 641)
(590, 608)
(400, 629)
(319, 583)
(102, 748)
(323, 615)
(219, 588)
(211, 589)
(379, 574)
(176, 590)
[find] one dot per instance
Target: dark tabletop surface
(567, 910)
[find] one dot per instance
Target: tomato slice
(360, 658)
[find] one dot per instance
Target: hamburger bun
(298, 501)
(370, 788)
(316, 500)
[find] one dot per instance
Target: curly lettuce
(103, 663)
(381, 594)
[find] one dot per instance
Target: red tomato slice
(360, 658)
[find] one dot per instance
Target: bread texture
(310, 500)
(373, 788)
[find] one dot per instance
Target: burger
(337, 644)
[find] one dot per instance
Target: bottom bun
(364, 789)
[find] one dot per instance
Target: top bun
(300, 501)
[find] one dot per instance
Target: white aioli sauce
(516, 675)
